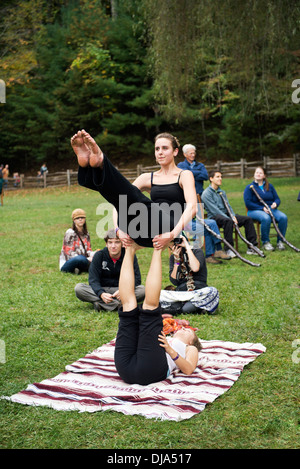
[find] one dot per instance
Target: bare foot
(96, 155)
(81, 150)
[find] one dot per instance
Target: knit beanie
(78, 212)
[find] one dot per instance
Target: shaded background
(216, 74)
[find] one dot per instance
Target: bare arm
(193, 261)
(188, 364)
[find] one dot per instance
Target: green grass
(45, 327)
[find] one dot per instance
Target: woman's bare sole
(86, 150)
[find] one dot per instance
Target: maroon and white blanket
(92, 383)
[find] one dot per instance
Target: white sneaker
(280, 246)
(251, 252)
(230, 253)
(268, 246)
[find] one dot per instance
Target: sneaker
(230, 253)
(221, 255)
(280, 246)
(212, 260)
(251, 252)
(268, 246)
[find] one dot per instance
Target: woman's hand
(176, 250)
(164, 343)
(162, 241)
(124, 238)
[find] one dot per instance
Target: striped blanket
(92, 383)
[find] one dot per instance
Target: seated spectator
(213, 248)
(104, 273)
(189, 275)
(198, 169)
(76, 254)
(257, 211)
(217, 211)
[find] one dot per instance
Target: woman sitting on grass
(188, 273)
(76, 253)
(143, 355)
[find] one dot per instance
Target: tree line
(216, 74)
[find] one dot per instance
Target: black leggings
(139, 358)
(111, 184)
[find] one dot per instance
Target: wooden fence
(287, 167)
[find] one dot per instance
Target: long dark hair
(186, 271)
(84, 229)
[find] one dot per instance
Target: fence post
(295, 157)
(68, 177)
(266, 163)
(45, 179)
(138, 170)
(243, 162)
(21, 181)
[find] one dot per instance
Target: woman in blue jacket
(257, 211)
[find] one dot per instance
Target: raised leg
(127, 280)
(153, 281)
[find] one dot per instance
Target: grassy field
(44, 327)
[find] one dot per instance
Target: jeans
(139, 358)
(265, 222)
(80, 262)
(212, 243)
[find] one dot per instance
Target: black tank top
(167, 193)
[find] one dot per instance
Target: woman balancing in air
(148, 223)
(143, 355)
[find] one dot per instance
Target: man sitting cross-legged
(104, 274)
